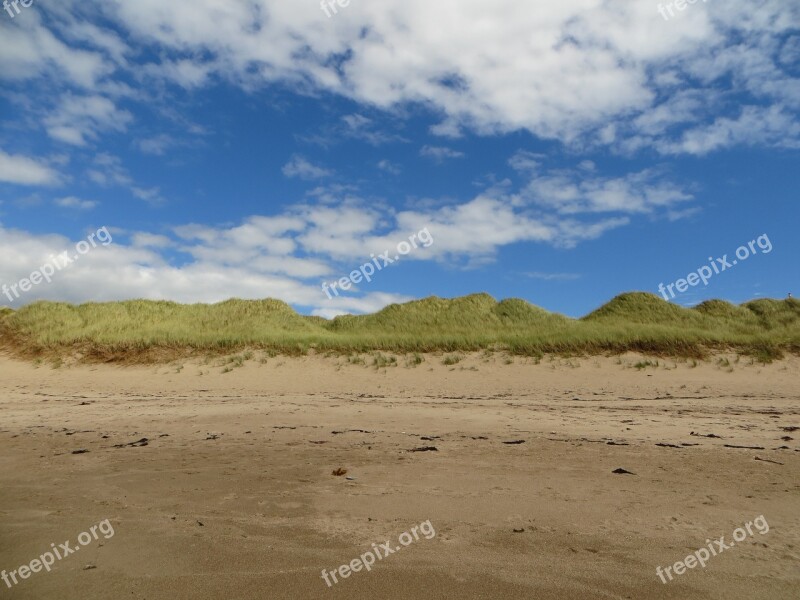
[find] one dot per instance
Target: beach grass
(143, 330)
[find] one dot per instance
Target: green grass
(452, 359)
(414, 360)
(643, 364)
(140, 330)
(381, 361)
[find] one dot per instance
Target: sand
(233, 494)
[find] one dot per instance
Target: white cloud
(338, 231)
(24, 170)
(142, 239)
(73, 202)
(149, 195)
(119, 271)
(186, 73)
(771, 126)
(526, 162)
(359, 127)
(108, 170)
(389, 167)
(289, 255)
(578, 71)
(677, 215)
(31, 50)
(369, 303)
(576, 191)
(439, 153)
(475, 230)
(157, 145)
(81, 118)
(302, 168)
(449, 128)
(552, 276)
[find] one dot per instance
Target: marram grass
(141, 330)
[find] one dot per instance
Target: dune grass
(140, 330)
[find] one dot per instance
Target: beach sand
(233, 494)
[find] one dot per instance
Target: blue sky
(562, 153)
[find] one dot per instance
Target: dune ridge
(151, 331)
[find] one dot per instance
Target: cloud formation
(578, 71)
(302, 168)
(24, 170)
(288, 255)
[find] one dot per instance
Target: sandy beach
(220, 484)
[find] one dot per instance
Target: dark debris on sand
(136, 444)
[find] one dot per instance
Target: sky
(561, 152)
